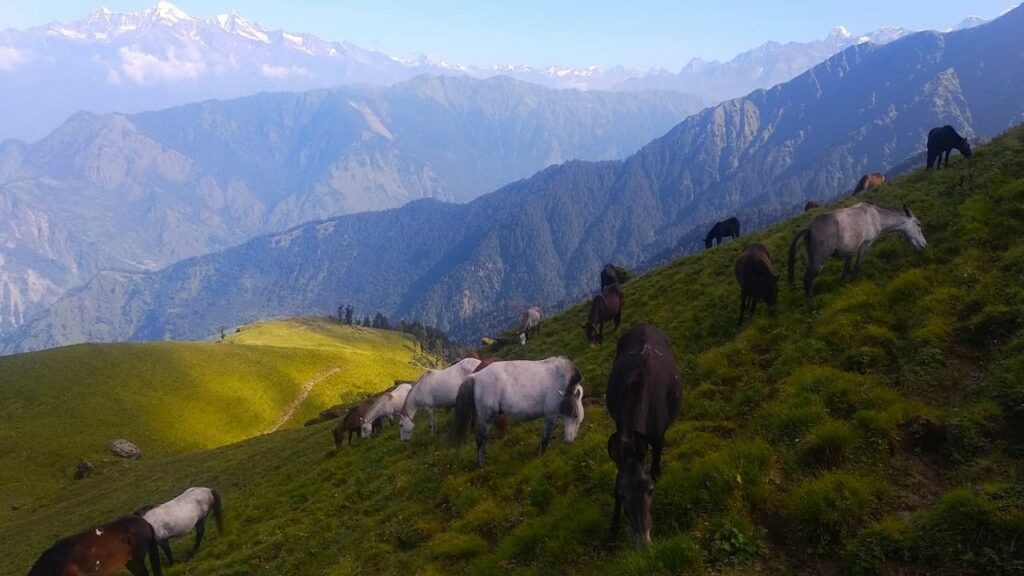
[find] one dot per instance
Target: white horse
(433, 389)
(522, 390)
(529, 323)
(179, 516)
(850, 232)
(387, 405)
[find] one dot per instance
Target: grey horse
(850, 232)
(529, 323)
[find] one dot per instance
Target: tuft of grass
(831, 508)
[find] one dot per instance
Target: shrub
(829, 509)
(677, 555)
(967, 529)
(828, 445)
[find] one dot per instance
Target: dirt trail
(303, 394)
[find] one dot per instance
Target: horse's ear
(906, 211)
(578, 393)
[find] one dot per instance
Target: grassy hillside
(65, 404)
(875, 428)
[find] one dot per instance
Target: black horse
(730, 227)
(644, 397)
(609, 276)
(941, 141)
(606, 307)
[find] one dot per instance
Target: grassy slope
(810, 439)
(65, 404)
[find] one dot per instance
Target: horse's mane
(568, 406)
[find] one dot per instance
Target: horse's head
(634, 486)
(572, 412)
(912, 231)
(965, 149)
(522, 338)
(405, 426)
(593, 336)
(365, 427)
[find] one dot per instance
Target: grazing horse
(522, 390)
(942, 141)
(102, 551)
(756, 278)
(434, 389)
(501, 422)
(644, 396)
(605, 307)
(869, 182)
(729, 227)
(848, 232)
(181, 515)
(529, 321)
(811, 205)
(386, 405)
(351, 423)
(609, 276)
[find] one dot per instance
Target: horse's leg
(137, 566)
(430, 416)
(545, 437)
(165, 545)
(616, 517)
(482, 430)
(743, 303)
(200, 528)
(947, 158)
(860, 257)
(656, 446)
(846, 267)
(753, 304)
(350, 437)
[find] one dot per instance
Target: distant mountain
(128, 62)
(142, 191)
(541, 240)
(765, 66)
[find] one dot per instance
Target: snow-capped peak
(168, 12)
(233, 23)
(839, 34)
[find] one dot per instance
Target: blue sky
(643, 33)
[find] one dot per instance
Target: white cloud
(281, 72)
(11, 58)
(144, 68)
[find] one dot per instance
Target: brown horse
(644, 397)
(609, 276)
(757, 281)
(605, 307)
(352, 422)
(811, 205)
(103, 550)
(869, 182)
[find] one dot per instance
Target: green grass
(796, 451)
(62, 405)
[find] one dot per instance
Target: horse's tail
(465, 410)
(218, 513)
(154, 552)
(792, 251)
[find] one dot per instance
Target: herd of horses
(643, 394)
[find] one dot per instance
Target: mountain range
(136, 192)
(541, 240)
(128, 62)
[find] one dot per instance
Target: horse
(609, 276)
(869, 182)
(522, 390)
(103, 550)
(434, 389)
(529, 321)
(386, 405)
(756, 278)
(352, 422)
(605, 307)
(941, 141)
(811, 205)
(729, 227)
(850, 231)
(501, 422)
(644, 396)
(181, 515)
